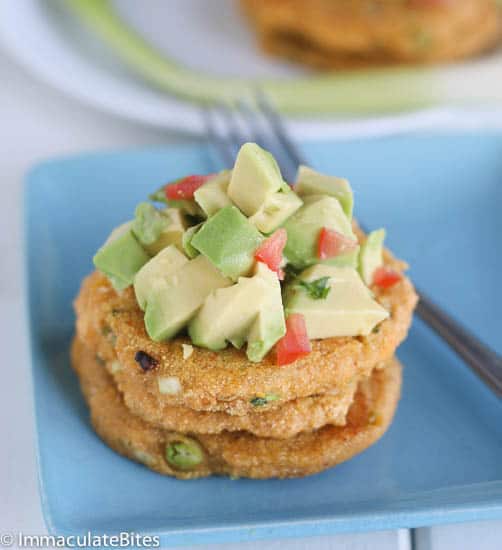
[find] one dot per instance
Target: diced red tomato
(184, 188)
(331, 243)
(270, 251)
(385, 277)
(295, 343)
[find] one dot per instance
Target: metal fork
(228, 127)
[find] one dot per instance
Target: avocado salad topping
(242, 258)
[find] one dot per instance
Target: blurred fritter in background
(332, 34)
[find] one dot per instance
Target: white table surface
(37, 122)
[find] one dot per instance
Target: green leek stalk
(376, 91)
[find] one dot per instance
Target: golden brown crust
(354, 33)
(240, 454)
(226, 381)
(295, 416)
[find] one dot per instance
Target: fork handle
(484, 361)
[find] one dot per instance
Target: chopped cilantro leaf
(159, 195)
(318, 289)
(261, 400)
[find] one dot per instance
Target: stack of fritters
(354, 33)
(190, 412)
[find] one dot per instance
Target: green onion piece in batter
(184, 453)
(261, 400)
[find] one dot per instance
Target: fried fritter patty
(295, 416)
(238, 453)
(353, 33)
(226, 380)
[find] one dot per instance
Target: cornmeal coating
(238, 454)
(293, 417)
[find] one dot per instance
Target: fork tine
(255, 130)
(276, 123)
(235, 136)
(215, 138)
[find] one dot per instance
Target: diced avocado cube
(277, 209)
(227, 314)
(156, 229)
(270, 326)
(117, 282)
(212, 196)
(148, 223)
(171, 232)
(249, 310)
(371, 255)
(238, 341)
(255, 176)
(156, 271)
(348, 309)
(310, 182)
(119, 231)
(171, 305)
(304, 228)
(121, 257)
(186, 241)
(229, 242)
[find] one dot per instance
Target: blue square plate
(440, 198)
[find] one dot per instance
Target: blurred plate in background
(211, 39)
